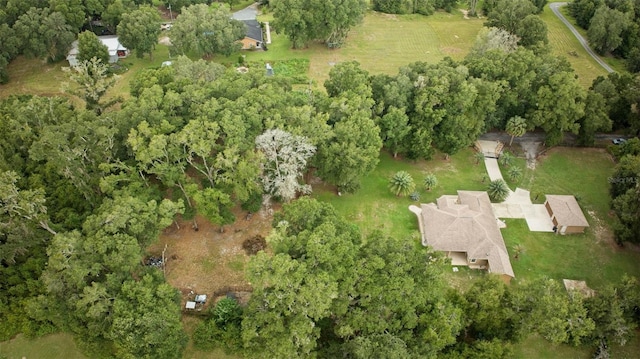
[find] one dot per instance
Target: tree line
(612, 27)
(86, 190)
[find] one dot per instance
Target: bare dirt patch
(602, 232)
(579, 286)
(531, 151)
(165, 40)
(207, 261)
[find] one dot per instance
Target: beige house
(466, 229)
(565, 213)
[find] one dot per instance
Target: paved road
(568, 139)
(248, 13)
(555, 7)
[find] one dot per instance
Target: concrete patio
(519, 205)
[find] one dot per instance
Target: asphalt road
(569, 139)
(555, 7)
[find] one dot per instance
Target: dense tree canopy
(314, 248)
(139, 30)
(44, 34)
(89, 46)
(207, 29)
(307, 20)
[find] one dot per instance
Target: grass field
(54, 346)
(382, 43)
(564, 44)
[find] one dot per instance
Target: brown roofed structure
(566, 214)
(465, 227)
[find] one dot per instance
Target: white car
(166, 26)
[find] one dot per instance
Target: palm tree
(401, 184)
(514, 173)
(518, 250)
(505, 159)
(516, 127)
(430, 181)
(498, 190)
(479, 156)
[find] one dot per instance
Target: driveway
(518, 204)
(248, 13)
(555, 7)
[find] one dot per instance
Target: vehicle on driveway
(618, 141)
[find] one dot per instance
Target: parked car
(618, 141)
(166, 26)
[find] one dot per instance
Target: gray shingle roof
(254, 31)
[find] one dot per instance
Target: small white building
(116, 50)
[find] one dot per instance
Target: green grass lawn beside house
(374, 207)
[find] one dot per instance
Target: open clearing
(208, 261)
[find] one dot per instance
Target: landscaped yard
(375, 207)
(593, 256)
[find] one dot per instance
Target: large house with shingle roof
(466, 229)
(565, 213)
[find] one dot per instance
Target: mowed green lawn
(564, 43)
(593, 256)
(382, 43)
(374, 207)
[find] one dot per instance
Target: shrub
(514, 173)
(401, 184)
(227, 311)
(498, 190)
(430, 181)
(506, 159)
(221, 329)
(415, 196)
